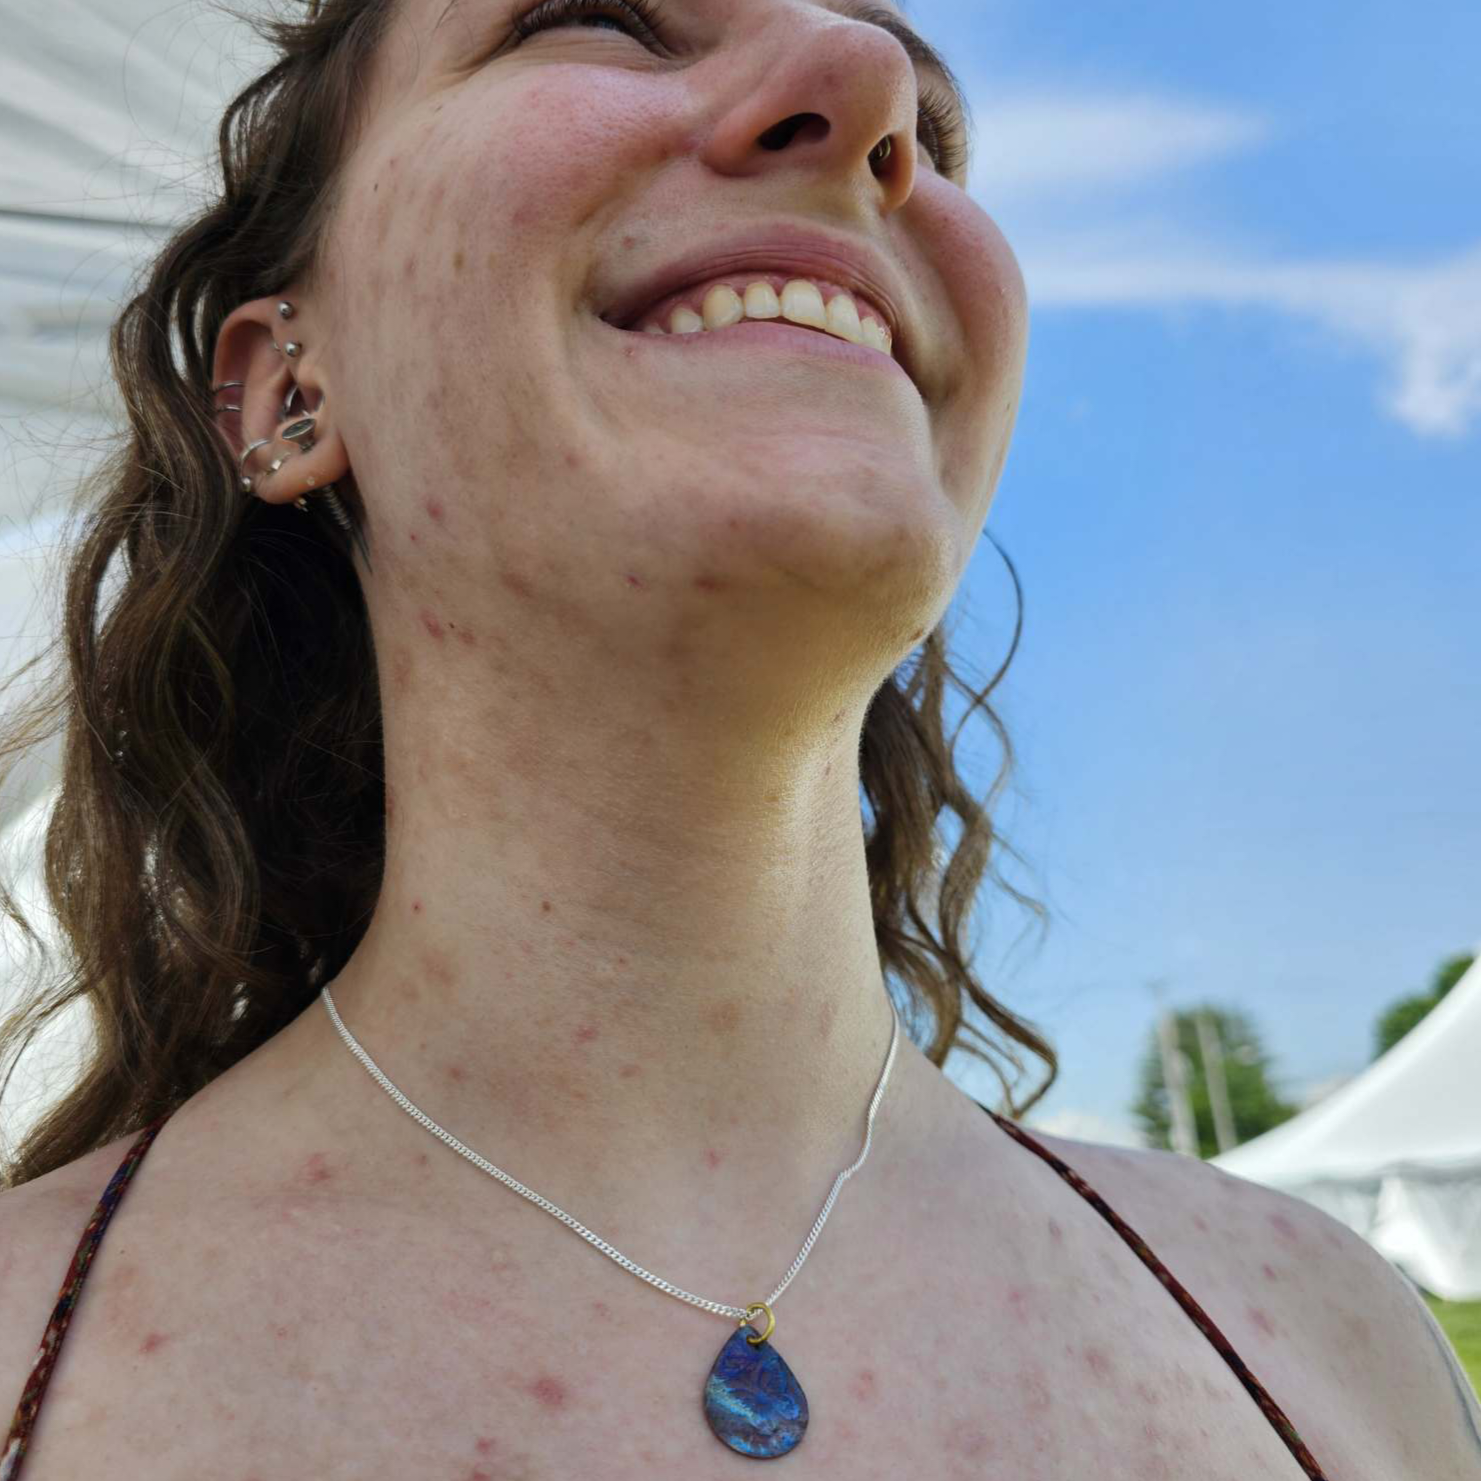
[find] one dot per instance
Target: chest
(957, 1346)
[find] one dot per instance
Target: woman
(539, 747)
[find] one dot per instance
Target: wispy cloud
(1074, 182)
(1037, 145)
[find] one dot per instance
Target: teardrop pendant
(751, 1398)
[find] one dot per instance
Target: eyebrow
(919, 50)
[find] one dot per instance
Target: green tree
(1399, 1017)
(1253, 1102)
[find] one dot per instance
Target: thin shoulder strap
(1271, 1410)
(51, 1342)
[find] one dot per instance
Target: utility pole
(1213, 1072)
(1174, 1076)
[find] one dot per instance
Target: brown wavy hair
(217, 843)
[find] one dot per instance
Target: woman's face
(512, 446)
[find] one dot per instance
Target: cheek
(989, 294)
(473, 212)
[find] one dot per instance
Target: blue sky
(1244, 498)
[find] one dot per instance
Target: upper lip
(810, 253)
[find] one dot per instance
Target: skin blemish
(629, 1070)
(1285, 1227)
(545, 907)
(550, 1391)
(865, 1385)
(602, 1310)
(1018, 1304)
(1200, 1223)
(152, 1341)
(635, 581)
(485, 1444)
(456, 1072)
(586, 1033)
(708, 583)
(1261, 1319)
(416, 907)
(458, 261)
(1055, 1232)
(1269, 1272)
(712, 1157)
(1147, 1394)
(1098, 1362)
(430, 622)
(517, 584)
(422, 1158)
(316, 1168)
(435, 510)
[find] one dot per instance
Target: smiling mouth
(768, 336)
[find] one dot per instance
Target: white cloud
(1054, 171)
(1036, 145)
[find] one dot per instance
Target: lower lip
(776, 335)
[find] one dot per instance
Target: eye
(643, 19)
(639, 17)
(948, 147)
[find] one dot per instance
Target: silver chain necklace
(752, 1400)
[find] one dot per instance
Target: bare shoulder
(40, 1224)
(1339, 1333)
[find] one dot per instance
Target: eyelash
(643, 18)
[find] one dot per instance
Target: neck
(661, 991)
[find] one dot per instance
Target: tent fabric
(1395, 1153)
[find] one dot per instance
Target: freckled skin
(543, 430)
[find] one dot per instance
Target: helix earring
(300, 433)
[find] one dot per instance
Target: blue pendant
(752, 1401)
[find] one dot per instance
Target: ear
(273, 355)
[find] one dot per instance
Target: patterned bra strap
(46, 1357)
(1271, 1410)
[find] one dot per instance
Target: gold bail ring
(770, 1322)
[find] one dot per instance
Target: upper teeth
(801, 302)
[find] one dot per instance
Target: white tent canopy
(108, 117)
(1395, 1154)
